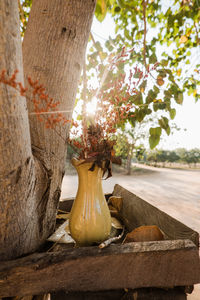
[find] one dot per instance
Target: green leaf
(154, 137)
(151, 96)
(138, 99)
(109, 46)
(127, 35)
(103, 55)
(168, 130)
(162, 73)
(164, 62)
(143, 86)
(179, 98)
(163, 122)
(117, 9)
(155, 107)
(140, 115)
(153, 59)
(172, 113)
(148, 111)
(101, 10)
(79, 117)
(156, 89)
(98, 46)
(132, 121)
(125, 4)
(138, 35)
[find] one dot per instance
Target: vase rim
(79, 162)
(83, 162)
(76, 162)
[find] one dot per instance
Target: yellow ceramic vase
(90, 220)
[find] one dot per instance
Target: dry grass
(181, 166)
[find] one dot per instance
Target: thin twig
(55, 243)
(106, 70)
(197, 32)
(111, 240)
(93, 40)
(84, 121)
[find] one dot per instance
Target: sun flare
(91, 107)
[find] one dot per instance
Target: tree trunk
(53, 52)
(17, 173)
(129, 159)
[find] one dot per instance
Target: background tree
(152, 157)
(125, 148)
(33, 166)
(189, 156)
(162, 156)
(172, 157)
(180, 155)
(132, 142)
(141, 153)
(128, 143)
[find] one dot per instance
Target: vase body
(90, 220)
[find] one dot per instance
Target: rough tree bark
(32, 167)
(17, 174)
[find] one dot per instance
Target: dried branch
(144, 3)
(93, 40)
(111, 240)
(197, 32)
(84, 121)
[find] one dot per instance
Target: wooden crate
(169, 263)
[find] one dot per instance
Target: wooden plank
(156, 294)
(139, 294)
(99, 295)
(66, 204)
(134, 265)
(137, 212)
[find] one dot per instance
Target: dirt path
(176, 192)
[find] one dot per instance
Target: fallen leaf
(116, 223)
(116, 202)
(144, 233)
(112, 209)
(61, 234)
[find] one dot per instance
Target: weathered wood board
(134, 265)
(165, 263)
(138, 294)
(137, 212)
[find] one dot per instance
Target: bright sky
(187, 114)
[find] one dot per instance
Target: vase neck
(83, 168)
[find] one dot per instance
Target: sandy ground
(176, 192)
